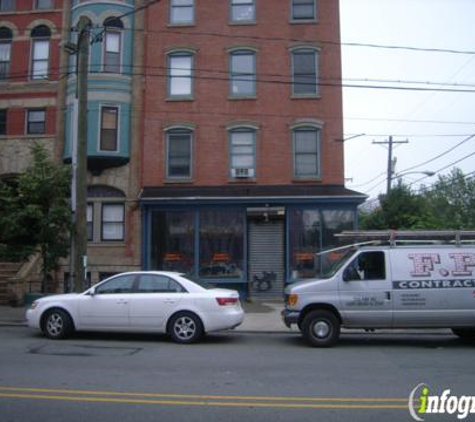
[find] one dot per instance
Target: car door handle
(169, 301)
(122, 302)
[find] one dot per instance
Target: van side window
(366, 266)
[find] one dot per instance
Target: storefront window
(221, 244)
(304, 234)
(173, 234)
(336, 221)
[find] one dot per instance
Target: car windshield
(331, 261)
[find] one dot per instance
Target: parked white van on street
(382, 283)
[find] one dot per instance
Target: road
(229, 376)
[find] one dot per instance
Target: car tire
(466, 334)
(321, 328)
(57, 324)
(185, 328)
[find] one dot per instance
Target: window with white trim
(40, 52)
(305, 71)
(44, 4)
(7, 5)
(304, 10)
(306, 141)
(36, 121)
(113, 221)
(182, 12)
(109, 129)
(243, 11)
(242, 69)
(179, 143)
(113, 45)
(6, 36)
(242, 147)
(180, 74)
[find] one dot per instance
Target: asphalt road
(228, 377)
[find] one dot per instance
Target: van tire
(321, 328)
(467, 334)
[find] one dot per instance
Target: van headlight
(292, 299)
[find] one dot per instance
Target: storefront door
(266, 258)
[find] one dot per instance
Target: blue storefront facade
(253, 239)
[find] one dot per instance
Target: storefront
(249, 239)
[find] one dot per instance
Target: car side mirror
(92, 291)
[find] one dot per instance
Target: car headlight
(34, 305)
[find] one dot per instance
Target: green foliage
(448, 204)
(35, 212)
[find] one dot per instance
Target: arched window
(113, 44)
(242, 152)
(306, 141)
(305, 71)
(180, 74)
(40, 52)
(6, 36)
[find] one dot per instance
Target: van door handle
(388, 295)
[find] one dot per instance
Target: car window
(366, 266)
(123, 284)
(151, 283)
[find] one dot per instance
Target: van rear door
(365, 291)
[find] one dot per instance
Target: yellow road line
(202, 400)
(202, 403)
(203, 397)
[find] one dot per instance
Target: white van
(374, 286)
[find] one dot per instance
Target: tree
(37, 211)
(451, 202)
(399, 209)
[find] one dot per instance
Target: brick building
(242, 154)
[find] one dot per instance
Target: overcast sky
(432, 122)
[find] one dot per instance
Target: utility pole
(79, 244)
(390, 143)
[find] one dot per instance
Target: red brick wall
(273, 110)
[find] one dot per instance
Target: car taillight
(227, 301)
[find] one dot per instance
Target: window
(243, 153)
(7, 5)
(112, 45)
(3, 122)
(180, 73)
(44, 4)
(121, 284)
(158, 284)
(36, 123)
(90, 222)
(5, 52)
(40, 52)
(243, 73)
(303, 9)
(182, 11)
(109, 128)
(113, 216)
(306, 152)
(243, 10)
(173, 234)
(179, 153)
(366, 266)
(221, 240)
(304, 65)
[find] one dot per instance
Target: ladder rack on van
(393, 237)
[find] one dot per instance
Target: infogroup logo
(421, 403)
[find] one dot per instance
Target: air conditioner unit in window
(243, 173)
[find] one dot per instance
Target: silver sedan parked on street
(145, 302)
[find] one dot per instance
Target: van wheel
(467, 334)
(321, 328)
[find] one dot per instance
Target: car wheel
(321, 328)
(467, 334)
(185, 328)
(57, 324)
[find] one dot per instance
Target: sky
(434, 123)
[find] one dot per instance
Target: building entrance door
(266, 267)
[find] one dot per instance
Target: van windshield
(332, 261)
